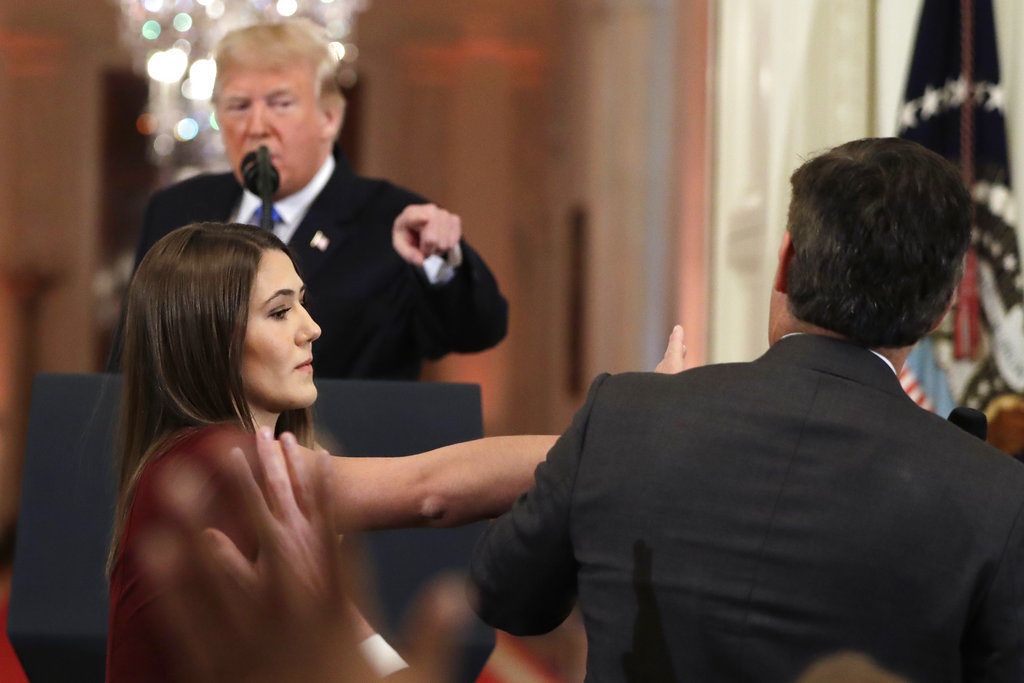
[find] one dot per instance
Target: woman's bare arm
(448, 486)
(452, 485)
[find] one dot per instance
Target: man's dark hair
(879, 229)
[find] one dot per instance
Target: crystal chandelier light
(173, 41)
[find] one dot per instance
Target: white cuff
(440, 270)
(381, 657)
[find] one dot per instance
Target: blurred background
(622, 165)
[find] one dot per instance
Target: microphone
(262, 179)
(970, 420)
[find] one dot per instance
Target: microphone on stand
(970, 420)
(262, 179)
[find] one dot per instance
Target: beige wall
(512, 115)
(458, 100)
(51, 58)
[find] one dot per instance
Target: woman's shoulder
(134, 644)
(203, 442)
(198, 448)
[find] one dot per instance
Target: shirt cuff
(381, 657)
(440, 270)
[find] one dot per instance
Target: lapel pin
(319, 241)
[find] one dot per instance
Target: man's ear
(781, 283)
(334, 116)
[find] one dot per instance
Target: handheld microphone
(970, 420)
(262, 179)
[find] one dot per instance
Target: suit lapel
(330, 221)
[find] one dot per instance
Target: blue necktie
(257, 216)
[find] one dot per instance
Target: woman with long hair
(217, 345)
(193, 328)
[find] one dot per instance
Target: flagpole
(872, 67)
(967, 73)
(967, 320)
(951, 106)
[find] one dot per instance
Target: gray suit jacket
(736, 522)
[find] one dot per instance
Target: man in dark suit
(737, 522)
(389, 279)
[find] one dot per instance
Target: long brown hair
(184, 329)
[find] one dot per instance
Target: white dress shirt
(292, 209)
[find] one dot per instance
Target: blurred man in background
(390, 279)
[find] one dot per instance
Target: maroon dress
(137, 649)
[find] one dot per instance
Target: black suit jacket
(378, 315)
(736, 522)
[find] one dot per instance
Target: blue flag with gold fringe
(954, 104)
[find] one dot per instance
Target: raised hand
(281, 615)
(422, 230)
(675, 353)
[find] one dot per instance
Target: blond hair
(280, 45)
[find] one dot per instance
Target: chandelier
(173, 42)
